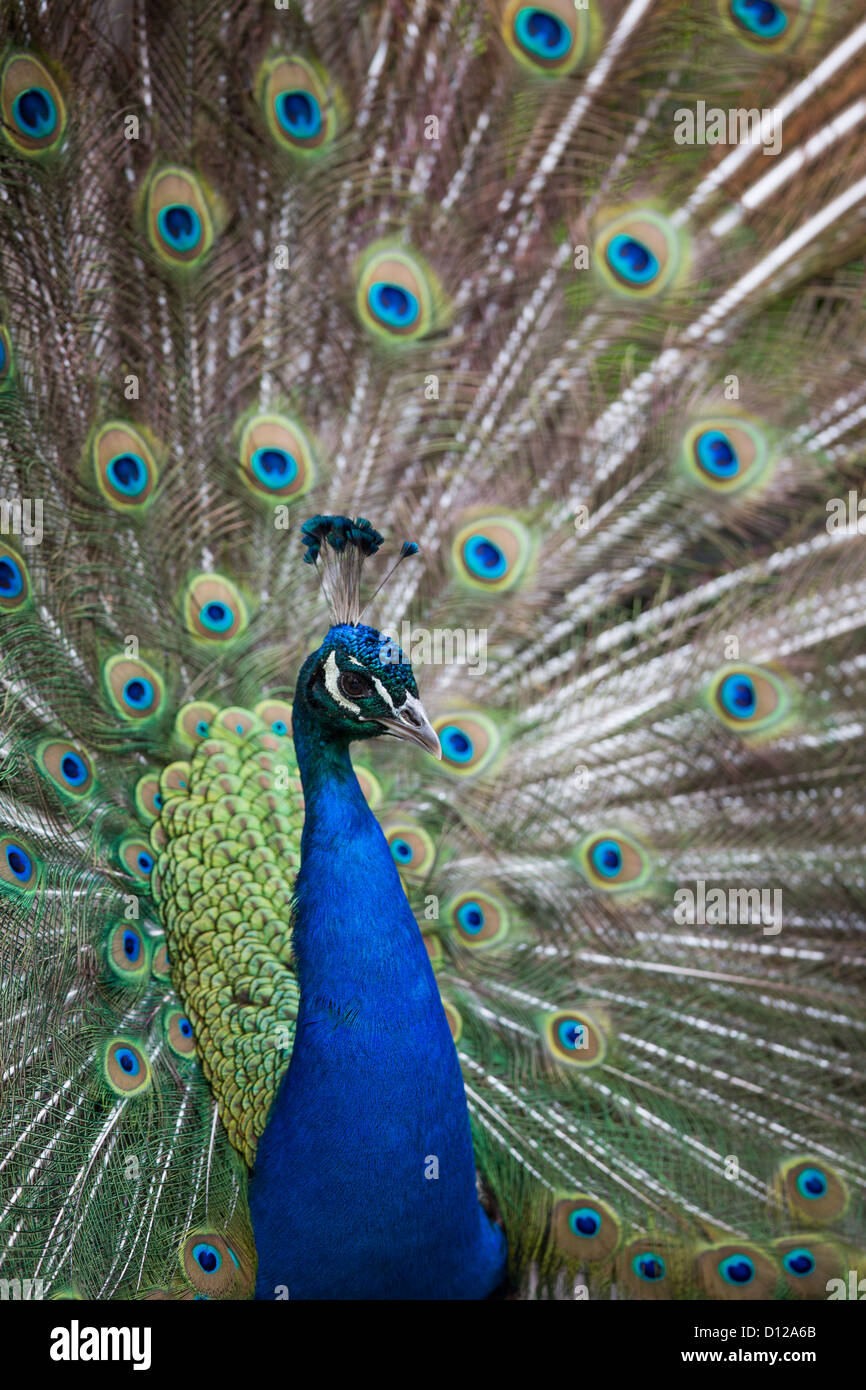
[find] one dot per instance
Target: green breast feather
(228, 840)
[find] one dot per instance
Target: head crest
(338, 547)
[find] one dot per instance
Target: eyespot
(813, 1190)
(491, 553)
(209, 1263)
(585, 1228)
(749, 699)
(19, 864)
(178, 1032)
(653, 1267)
(353, 685)
(134, 688)
(433, 947)
(638, 254)
(614, 862)
(234, 724)
(148, 797)
(455, 1022)
(302, 107)
(127, 953)
(275, 457)
(649, 1266)
(470, 742)
(136, 856)
(549, 39)
(725, 454)
(68, 768)
(759, 17)
(808, 1263)
(14, 581)
(411, 847)
(160, 966)
(125, 1066)
(7, 359)
(179, 223)
(478, 919)
(762, 24)
(276, 715)
(370, 786)
(730, 1271)
(574, 1037)
(34, 116)
(193, 721)
(174, 779)
(213, 609)
(125, 467)
(398, 297)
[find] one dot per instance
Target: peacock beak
(411, 723)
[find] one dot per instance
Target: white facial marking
(383, 692)
(332, 672)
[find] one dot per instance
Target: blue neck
(344, 1198)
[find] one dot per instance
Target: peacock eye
(353, 686)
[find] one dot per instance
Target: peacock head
(358, 684)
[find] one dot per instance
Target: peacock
(432, 603)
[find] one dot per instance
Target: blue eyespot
(402, 851)
(299, 114)
(738, 696)
(649, 1266)
(2, 355)
(456, 745)
(471, 918)
(631, 260)
(11, 578)
(138, 692)
(737, 1269)
(585, 1222)
(202, 728)
(180, 226)
(760, 17)
(484, 558)
(217, 617)
(207, 1257)
(607, 858)
(131, 945)
(144, 862)
(34, 112)
(19, 862)
(716, 454)
(127, 1061)
(812, 1183)
(571, 1034)
(128, 474)
(158, 802)
(393, 305)
(185, 1027)
(542, 33)
(73, 769)
(274, 468)
(799, 1262)
(280, 727)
